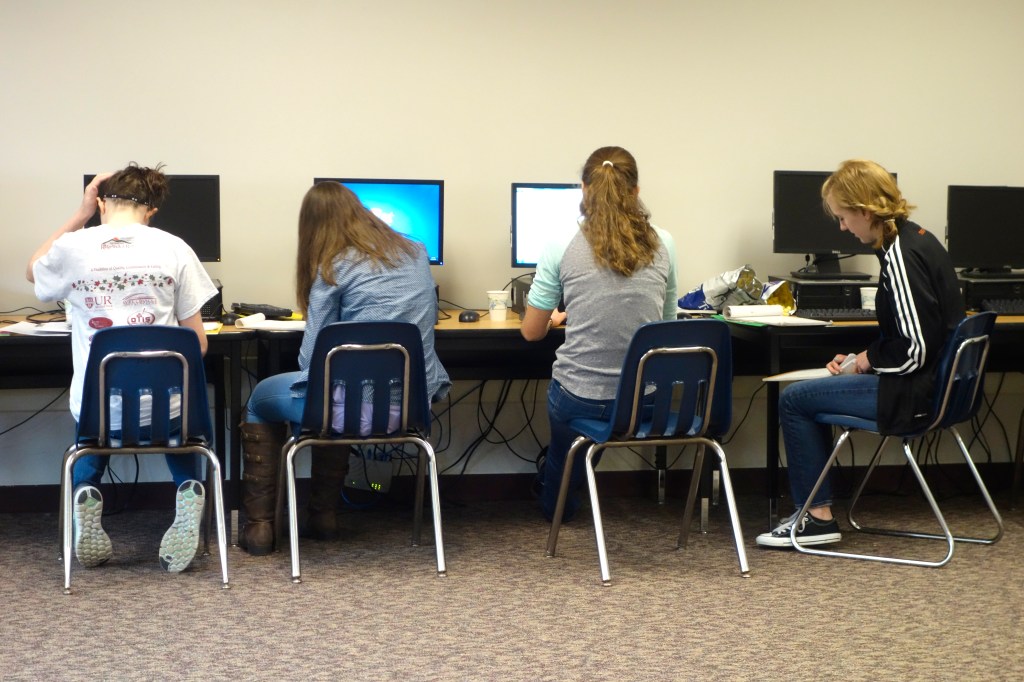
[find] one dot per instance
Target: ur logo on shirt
(97, 302)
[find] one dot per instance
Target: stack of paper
(773, 315)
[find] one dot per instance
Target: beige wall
(710, 96)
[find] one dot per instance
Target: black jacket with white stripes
(918, 304)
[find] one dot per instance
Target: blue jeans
(563, 407)
(272, 402)
(89, 469)
(809, 444)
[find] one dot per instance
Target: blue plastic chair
(960, 378)
(161, 361)
(675, 388)
(381, 359)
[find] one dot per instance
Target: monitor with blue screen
(541, 212)
(414, 208)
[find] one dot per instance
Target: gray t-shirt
(604, 310)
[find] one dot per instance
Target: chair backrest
(162, 362)
(676, 381)
(381, 359)
(960, 373)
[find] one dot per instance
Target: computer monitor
(802, 225)
(191, 211)
(985, 229)
(541, 211)
(414, 208)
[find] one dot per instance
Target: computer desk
(468, 350)
(45, 362)
(496, 350)
(768, 350)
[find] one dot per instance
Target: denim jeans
(272, 402)
(809, 444)
(563, 407)
(89, 469)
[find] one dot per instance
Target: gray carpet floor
(371, 607)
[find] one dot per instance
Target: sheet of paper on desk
(39, 329)
(260, 321)
(768, 314)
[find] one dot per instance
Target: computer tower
(844, 294)
(977, 290)
(212, 309)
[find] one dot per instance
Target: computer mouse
(229, 319)
(469, 316)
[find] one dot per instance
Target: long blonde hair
(331, 221)
(866, 186)
(616, 223)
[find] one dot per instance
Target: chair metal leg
(207, 512)
(417, 516)
(730, 501)
(602, 551)
(684, 529)
(282, 478)
(661, 465)
(984, 493)
(875, 459)
(66, 520)
(933, 536)
(563, 490)
(293, 516)
(214, 474)
(871, 557)
(435, 501)
(60, 511)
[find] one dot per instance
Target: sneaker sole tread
(92, 544)
(181, 541)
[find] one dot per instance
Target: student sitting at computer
(101, 272)
(616, 272)
(918, 306)
(351, 266)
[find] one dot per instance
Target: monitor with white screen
(541, 212)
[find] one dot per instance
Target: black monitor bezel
(820, 234)
(207, 250)
(987, 234)
(406, 181)
(513, 227)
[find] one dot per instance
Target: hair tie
(125, 197)
(608, 163)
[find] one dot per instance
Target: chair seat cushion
(596, 430)
(847, 422)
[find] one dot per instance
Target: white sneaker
(810, 531)
(92, 544)
(180, 542)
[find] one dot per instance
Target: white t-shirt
(119, 275)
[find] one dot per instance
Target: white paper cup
(867, 297)
(497, 304)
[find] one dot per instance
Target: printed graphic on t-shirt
(116, 283)
(116, 243)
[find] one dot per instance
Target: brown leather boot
(327, 477)
(261, 447)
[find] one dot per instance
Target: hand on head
(91, 194)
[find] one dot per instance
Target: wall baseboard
(945, 480)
